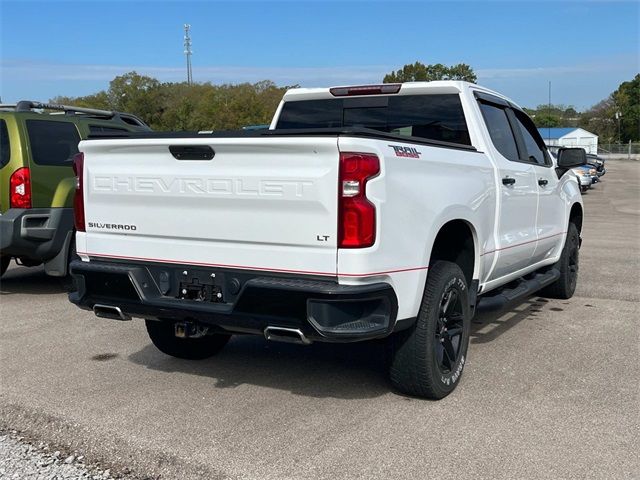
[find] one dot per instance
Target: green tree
(617, 117)
(546, 120)
(97, 100)
(179, 106)
(419, 72)
(599, 119)
(137, 94)
(627, 103)
(549, 116)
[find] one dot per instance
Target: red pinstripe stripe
(245, 267)
(520, 244)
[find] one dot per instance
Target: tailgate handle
(192, 152)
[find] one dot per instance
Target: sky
(74, 48)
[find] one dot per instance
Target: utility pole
(188, 52)
(619, 119)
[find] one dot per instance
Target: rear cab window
(5, 146)
(437, 117)
(53, 143)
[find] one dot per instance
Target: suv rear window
(52, 143)
(98, 129)
(5, 148)
(434, 117)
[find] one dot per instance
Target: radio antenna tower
(188, 52)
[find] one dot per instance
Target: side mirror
(571, 157)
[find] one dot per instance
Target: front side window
(533, 143)
(52, 142)
(500, 130)
(433, 117)
(5, 147)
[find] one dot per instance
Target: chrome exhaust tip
(109, 311)
(287, 335)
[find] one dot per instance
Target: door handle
(508, 181)
(543, 182)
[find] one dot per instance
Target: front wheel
(427, 360)
(162, 334)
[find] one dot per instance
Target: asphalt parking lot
(551, 389)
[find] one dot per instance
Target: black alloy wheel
(448, 332)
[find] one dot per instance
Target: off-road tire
(4, 264)
(163, 337)
(568, 265)
(417, 354)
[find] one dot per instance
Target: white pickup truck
(362, 212)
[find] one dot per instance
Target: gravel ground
(21, 460)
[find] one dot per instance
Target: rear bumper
(239, 301)
(35, 233)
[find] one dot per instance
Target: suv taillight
(356, 214)
(20, 188)
(78, 199)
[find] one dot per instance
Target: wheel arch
(576, 216)
(457, 242)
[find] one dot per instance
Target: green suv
(37, 144)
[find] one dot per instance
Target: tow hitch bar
(190, 330)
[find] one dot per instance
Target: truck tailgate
(259, 203)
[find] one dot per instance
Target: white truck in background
(363, 212)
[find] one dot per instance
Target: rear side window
(433, 117)
(52, 143)
(5, 147)
(532, 140)
(97, 129)
(500, 131)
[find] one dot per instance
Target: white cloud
(311, 76)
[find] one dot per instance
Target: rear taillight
(78, 199)
(20, 188)
(356, 215)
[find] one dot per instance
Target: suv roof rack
(28, 105)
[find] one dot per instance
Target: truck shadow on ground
(30, 281)
(346, 371)
(487, 327)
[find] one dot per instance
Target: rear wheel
(568, 265)
(427, 360)
(4, 264)
(162, 334)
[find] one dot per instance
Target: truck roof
(406, 88)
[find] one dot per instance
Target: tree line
(180, 106)
(204, 106)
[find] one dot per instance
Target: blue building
(570, 137)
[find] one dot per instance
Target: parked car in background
(597, 163)
(37, 181)
(586, 175)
